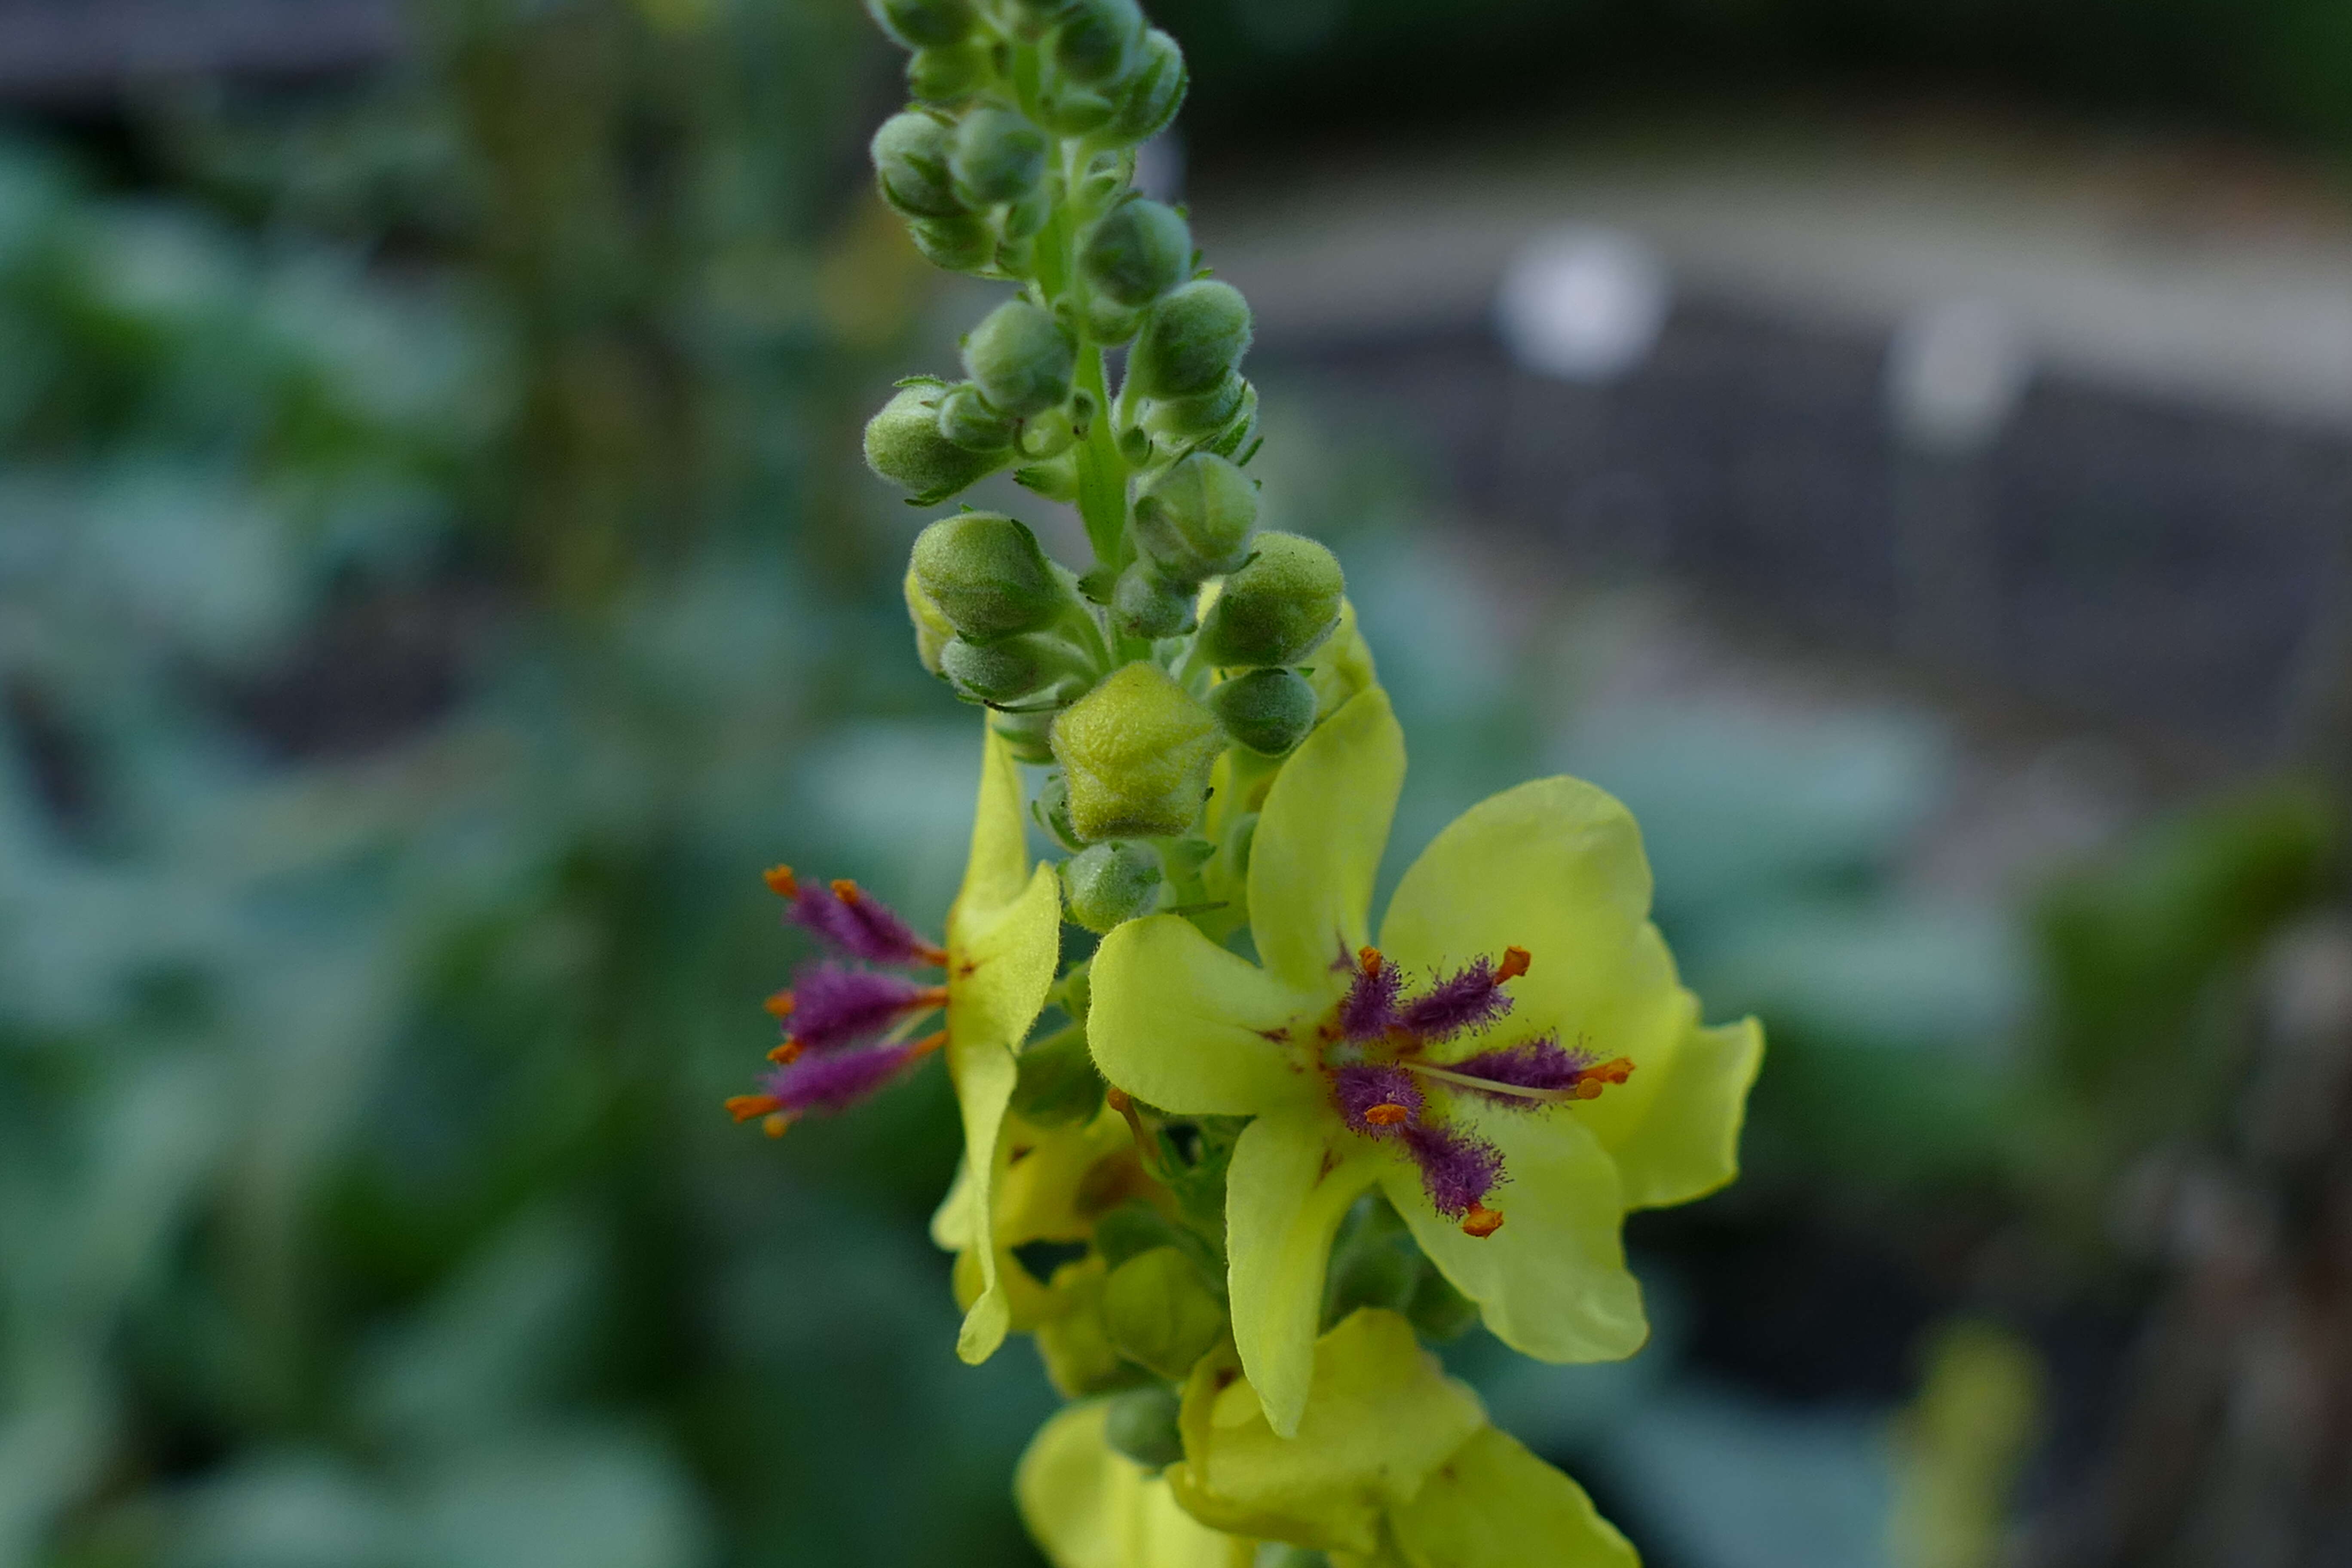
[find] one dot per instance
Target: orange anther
(1515, 963)
(1481, 1221)
(928, 1044)
(785, 1055)
(776, 1124)
(847, 891)
(779, 1005)
(936, 996)
(1388, 1114)
(1370, 960)
(780, 881)
(1589, 1088)
(750, 1107)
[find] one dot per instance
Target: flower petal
(1089, 1506)
(996, 871)
(1383, 1417)
(1319, 842)
(1495, 1505)
(1688, 1145)
(1295, 1172)
(1181, 1023)
(1551, 1283)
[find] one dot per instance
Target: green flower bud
(1057, 478)
(966, 243)
(966, 419)
(1076, 1343)
(1137, 750)
(1132, 1230)
(1099, 40)
(1275, 609)
(1137, 252)
(1268, 710)
(1110, 884)
(1110, 324)
(1193, 337)
(948, 72)
(1142, 1424)
(1028, 736)
(911, 162)
(1026, 218)
(931, 628)
(1147, 605)
(988, 576)
(920, 23)
(1195, 418)
(1058, 1086)
(1052, 809)
(1009, 669)
(1031, 18)
(997, 157)
(903, 444)
(1194, 518)
(1021, 358)
(1160, 1313)
(1241, 428)
(1075, 111)
(1154, 96)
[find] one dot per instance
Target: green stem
(1102, 471)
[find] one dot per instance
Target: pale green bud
(1137, 750)
(1147, 605)
(1195, 418)
(1021, 358)
(948, 72)
(1193, 337)
(1027, 217)
(1268, 710)
(997, 157)
(1154, 96)
(1142, 1425)
(1055, 478)
(966, 419)
(966, 243)
(933, 629)
(1053, 810)
(1070, 111)
(920, 24)
(1058, 1086)
(1008, 670)
(1109, 885)
(910, 163)
(1160, 1313)
(1277, 608)
(903, 444)
(1137, 252)
(1099, 40)
(1194, 518)
(1030, 19)
(1028, 736)
(988, 576)
(1132, 1230)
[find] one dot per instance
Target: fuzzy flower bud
(1160, 1313)
(1011, 670)
(1137, 750)
(1277, 608)
(903, 444)
(997, 156)
(1029, 736)
(1193, 520)
(1137, 252)
(1021, 359)
(1154, 96)
(1187, 419)
(920, 24)
(1110, 884)
(966, 419)
(933, 629)
(910, 163)
(1268, 710)
(948, 73)
(1146, 604)
(1193, 337)
(1099, 40)
(964, 244)
(988, 576)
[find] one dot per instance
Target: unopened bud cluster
(1185, 639)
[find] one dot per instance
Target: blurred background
(1905, 449)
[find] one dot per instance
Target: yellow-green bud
(1191, 339)
(997, 157)
(931, 628)
(948, 72)
(911, 162)
(903, 444)
(1021, 358)
(920, 24)
(1194, 518)
(1154, 96)
(1029, 736)
(965, 244)
(1142, 1425)
(1160, 1313)
(1268, 710)
(1008, 670)
(1137, 252)
(1147, 605)
(988, 576)
(966, 419)
(1099, 40)
(1107, 884)
(1277, 608)
(1137, 750)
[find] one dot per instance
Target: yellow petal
(1089, 1506)
(1382, 1419)
(1181, 1023)
(1688, 1143)
(1553, 1282)
(1295, 1172)
(1495, 1505)
(1319, 842)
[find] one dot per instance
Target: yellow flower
(1089, 1506)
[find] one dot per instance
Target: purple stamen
(859, 924)
(1540, 1064)
(838, 1080)
(1457, 1169)
(1377, 1101)
(1369, 1010)
(835, 1006)
(1473, 999)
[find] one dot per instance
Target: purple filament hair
(835, 1006)
(1541, 1063)
(1369, 1010)
(1457, 1169)
(1358, 1091)
(1473, 999)
(838, 1080)
(857, 923)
